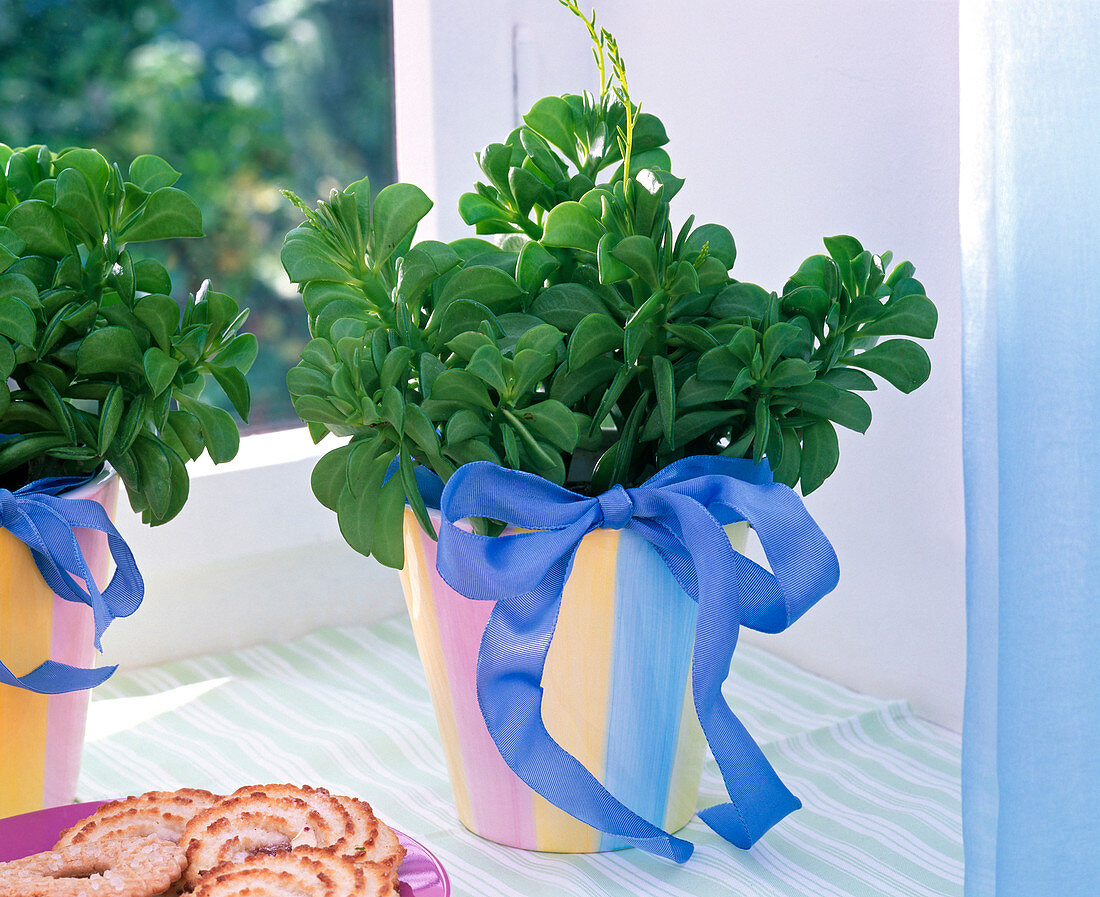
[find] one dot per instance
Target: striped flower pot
(42, 737)
(617, 691)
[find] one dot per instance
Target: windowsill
(252, 557)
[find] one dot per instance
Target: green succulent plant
(98, 362)
(593, 342)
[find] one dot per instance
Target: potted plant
(597, 346)
(102, 379)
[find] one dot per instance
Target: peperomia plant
(593, 343)
(100, 362)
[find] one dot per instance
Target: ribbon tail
(54, 678)
(509, 676)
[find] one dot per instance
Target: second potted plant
(102, 379)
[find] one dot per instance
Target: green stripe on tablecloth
(348, 709)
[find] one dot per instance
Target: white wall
(790, 121)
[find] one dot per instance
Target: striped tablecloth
(348, 709)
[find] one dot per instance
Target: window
(244, 98)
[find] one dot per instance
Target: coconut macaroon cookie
(160, 813)
(312, 871)
(269, 819)
(143, 867)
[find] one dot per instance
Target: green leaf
(790, 462)
(570, 225)
(307, 257)
(475, 208)
(109, 350)
(233, 384)
(822, 400)
(357, 506)
(640, 255)
(49, 396)
(41, 228)
(594, 335)
(717, 239)
(160, 368)
(791, 372)
(156, 474)
(188, 431)
(412, 493)
(820, 453)
(17, 321)
(7, 361)
(900, 361)
(533, 266)
(161, 315)
(740, 300)
(168, 213)
(397, 210)
(565, 305)
(465, 424)
(219, 432)
(21, 449)
(552, 118)
(18, 286)
(330, 476)
(483, 284)
(151, 173)
(89, 163)
(73, 197)
(486, 365)
(110, 416)
(665, 384)
(849, 378)
(909, 315)
(458, 387)
(553, 422)
(240, 352)
(776, 339)
(395, 369)
(388, 547)
(569, 387)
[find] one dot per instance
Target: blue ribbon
(680, 511)
(45, 522)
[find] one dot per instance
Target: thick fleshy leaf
(594, 335)
(717, 239)
(151, 173)
(397, 210)
(41, 228)
(168, 213)
(820, 452)
(109, 350)
(570, 225)
(219, 432)
(899, 361)
(909, 315)
(17, 321)
(160, 369)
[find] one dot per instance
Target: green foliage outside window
(245, 97)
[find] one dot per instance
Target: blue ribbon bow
(680, 511)
(36, 516)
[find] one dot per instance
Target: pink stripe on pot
(71, 642)
(500, 802)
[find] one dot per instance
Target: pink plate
(421, 874)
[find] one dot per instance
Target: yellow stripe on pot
(419, 581)
(26, 622)
(577, 681)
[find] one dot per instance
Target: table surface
(348, 709)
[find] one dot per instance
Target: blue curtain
(1030, 218)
